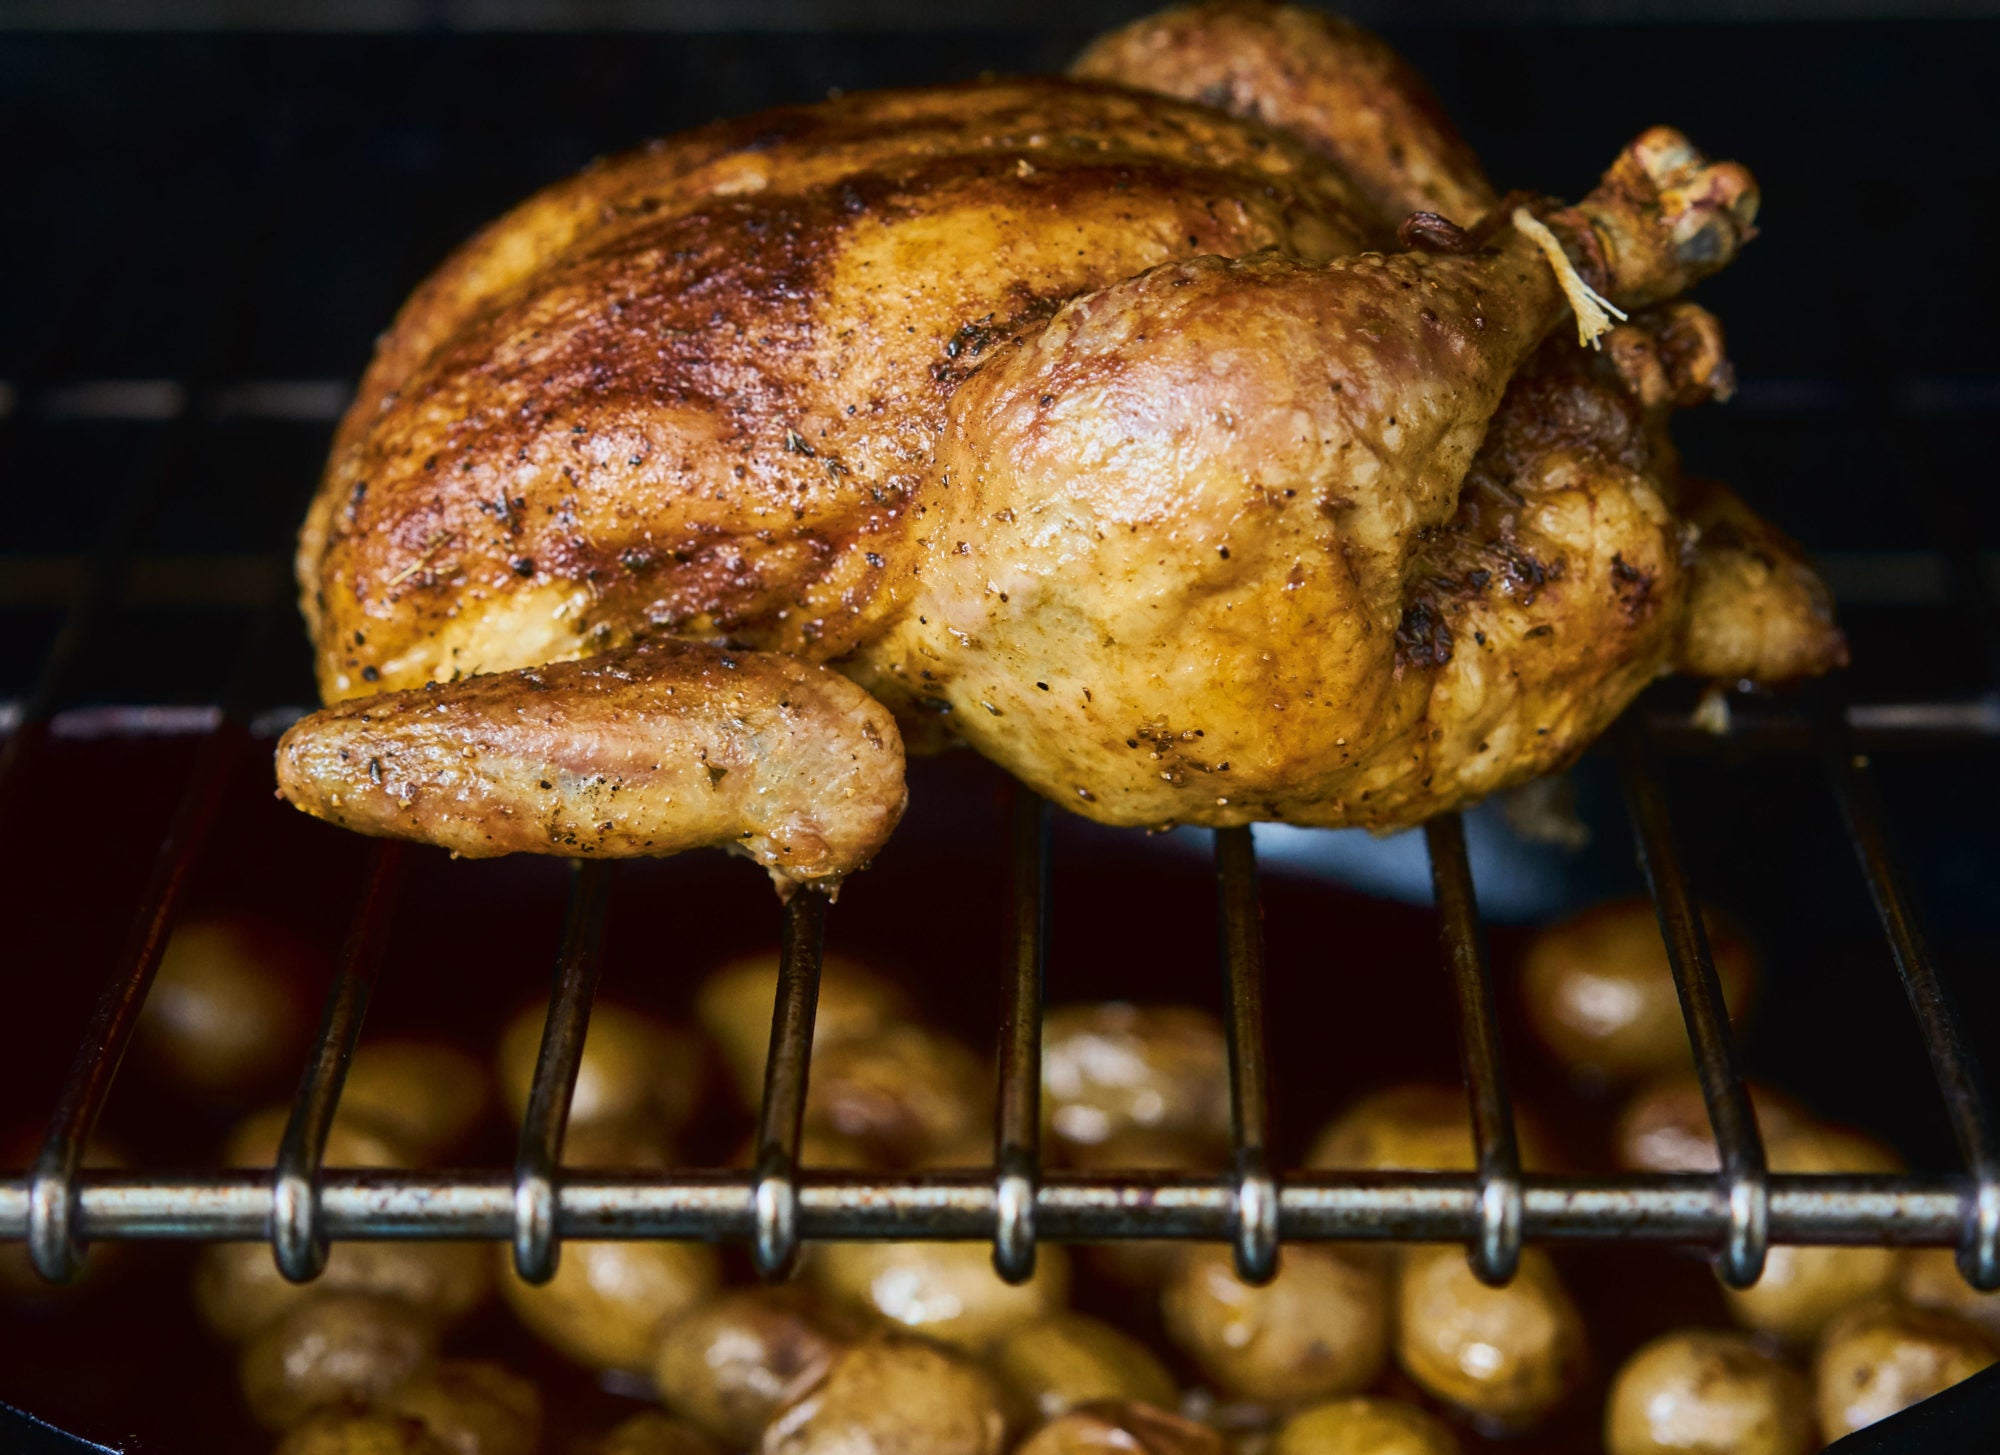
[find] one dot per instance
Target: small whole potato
(1664, 1127)
(473, 1407)
(652, 1433)
(730, 1365)
(427, 1095)
(946, 1291)
(891, 1394)
(1803, 1289)
(1879, 1357)
(336, 1348)
(1417, 1128)
(1509, 1354)
(634, 1068)
(1122, 1427)
(903, 1094)
(609, 1301)
(238, 1290)
(1600, 993)
(616, 1146)
(1930, 1279)
(352, 1141)
(1063, 1360)
(1363, 1426)
(359, 1432)
(1698, 1389)
(1319, 1329)
(225, 1013)
(735, 1002)
(1114, 1068)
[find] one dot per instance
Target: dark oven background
(205, 228)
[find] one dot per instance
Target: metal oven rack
(298, 1205)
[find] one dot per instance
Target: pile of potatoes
(919, 1348)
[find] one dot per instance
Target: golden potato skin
(635, 1069)
(473, 1407)
(1122, 1427)
(1319, 1329)
(1664, 1127)
(1113, 1068)
(428, 1095)
(735, 1000)
(1701, 1390)
(1363, 1426)
(609, 1301)
(336, 1348)
(1063, 1360)
(1878, 1358)
(238, 1290)
(1930, 1279)
(730, 1365)
(905, 1093)
(945, 1291)
(653, 1433)
(1418, 1127)
(352, 1141)
(225, 1013)
(1601, 996)
(891, 1394)
(1510, 1354)
(336, 1432)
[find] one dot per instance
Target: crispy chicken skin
(649, 750)
(1124, 428)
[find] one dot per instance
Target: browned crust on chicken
(647, 751)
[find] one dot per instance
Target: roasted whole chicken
(1198, 436)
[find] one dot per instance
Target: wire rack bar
(1953, 1061)
(1017, 1131)
(297, 1242)
(1254, 1226)
(1743, 1172)
(775, 1194)
(722, 1206)
(1496, 1250)
(536, 1243)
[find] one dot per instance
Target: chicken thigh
(1180, 455)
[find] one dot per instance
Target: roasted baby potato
(1930, 1279)
(1511, 1355)
(428, 1095)
(238, 1290)
(1699, 1389)
(1110, 1069)
(473, 1407)
(1317, 1330)
(903, 1094)
(653, 1433)
(1878, 1358)
(1664, 1127)
(355, 1432)
(1601, 996)
(1418, 1127)
(634, 1068)
(610, 1302)
(735, 1002)
(1122, 1427)
(1063, 1360)
(336, 1348)
(731, 1364)
(946, 1291)
(352, 1141)
(1362, 1426)
(891, 1394)
(225, 1013)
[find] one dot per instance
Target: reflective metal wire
(774, 1193)
(1254, 1226)
(1953, 1062)
(1017, 1132)
(297, 1241)
(536, 1240)
(1496, 1250)
(1741, 1148)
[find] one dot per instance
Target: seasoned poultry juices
(1153, 431)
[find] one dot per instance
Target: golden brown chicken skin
(1111, 433)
